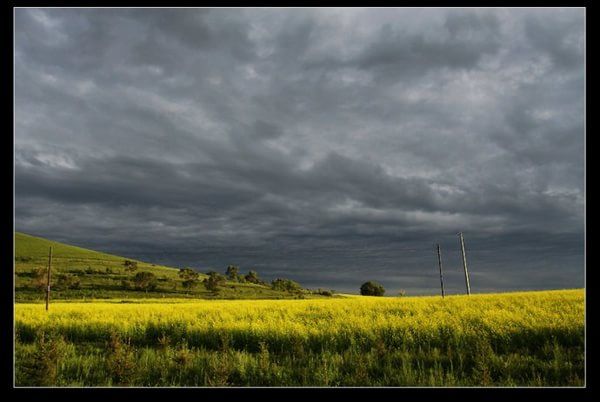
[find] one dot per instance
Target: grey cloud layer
(322, 145)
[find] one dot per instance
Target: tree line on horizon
(190, 279)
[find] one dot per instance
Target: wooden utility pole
(464, 258)
(48, 282)
(439, 255)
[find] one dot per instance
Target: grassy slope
(101, 275)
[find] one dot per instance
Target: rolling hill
(79, 273)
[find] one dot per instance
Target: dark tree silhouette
(232, 272)
(371, 288)
(213, 281)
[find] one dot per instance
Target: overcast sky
(330, 146)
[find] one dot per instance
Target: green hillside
(78, 273)
(37, 247)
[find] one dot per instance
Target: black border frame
(7, 282)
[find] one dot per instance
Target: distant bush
(67, 281)
(145, 281)
(252, 277)
(232, 272)
(28, 274)
(323, 292)
(39, 276)
(23, 259)
(190, 283)
(130, 265)
(285, 285)
(371, 289)
(213, 281)
(190, 278)
(188, 273)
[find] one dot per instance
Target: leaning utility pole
(464, 258)
(48, 282)
(439, 254)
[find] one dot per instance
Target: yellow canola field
(507, 319)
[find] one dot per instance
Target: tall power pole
(464, 258)
(439, 255)
(48, 281)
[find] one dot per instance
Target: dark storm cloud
(330, 146)
(469, 37)
(563, 43)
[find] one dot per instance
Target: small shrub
(190, 278)
(188, 273)
(214, 281)
(121, 360)
(285, 285)
(183, 356)
(252, 277)
(232, 272)
(130, 266)
(39, 278)
(42, 368)
(145, 281)
(164, 341)
(323, 292)
(67, 281)
(189, 283)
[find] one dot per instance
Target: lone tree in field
(190, 277)
(145, 281)
(213, 281)
(232, 272)
(371, 289)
